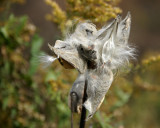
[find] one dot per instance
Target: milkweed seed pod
(99, 81)
(67, 49)
(69, 55)
(76, 94)
(95, 54)
(111, 52)
(115, 51)
(110, 44)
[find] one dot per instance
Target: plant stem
(71, 120)
(83, 113)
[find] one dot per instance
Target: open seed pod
(95, 54)
(68, 56)
(99, 82)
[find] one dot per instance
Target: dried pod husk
(123, 31)
(75, 97)
(69, 56)
(99, 81)
(111, 44)
(85, 30)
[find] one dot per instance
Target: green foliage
(35, 50)
(14, 37)
(25, 101)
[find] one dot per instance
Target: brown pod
(65, 64)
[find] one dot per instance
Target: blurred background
(32, 97)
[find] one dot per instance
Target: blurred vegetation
(5, 4)
(97, 11)
(31, 97)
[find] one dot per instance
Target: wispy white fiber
(112, 43)
(47, 60)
